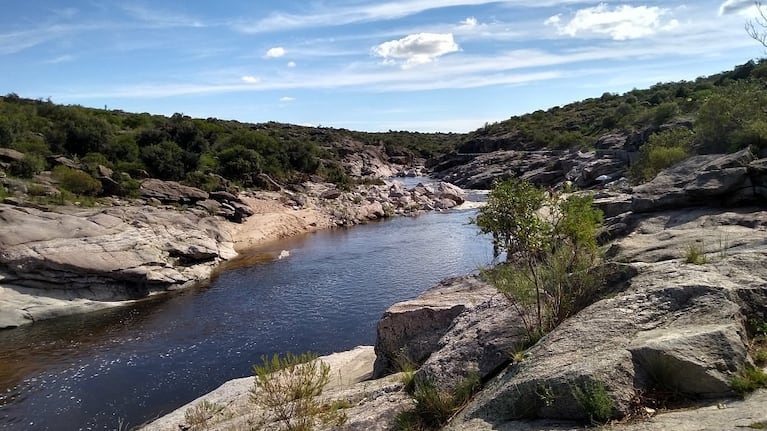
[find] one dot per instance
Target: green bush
(434, 407)
(288, 386)
(594, 400)
(27, 167)
(662, 150)
(553, 266)
(76, 181)
(748, 380)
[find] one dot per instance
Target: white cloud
(469, 23)
(732, 6)
(291, 64)
(275, 52)
(417, 48)
(250, 79)
(619, 23)
(287, 99)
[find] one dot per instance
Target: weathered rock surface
(480, 340)
(373, 404)
(545, 168)
(170, 191)
(107, 254)
(727, 415)
(622, 342)
(410, 331)
(711, 180)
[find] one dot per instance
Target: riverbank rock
(114, 253)
(170, 192)
(367, 405)
(410, 331)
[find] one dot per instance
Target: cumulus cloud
(619, 23)
(291, 64)
(417, 48)
(275, 52)
(732, 6)
(250, 79)
(287, 99)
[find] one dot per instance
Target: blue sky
(424, 65)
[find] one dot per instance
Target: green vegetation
(200, 416)
(553, 261)
(594, 400)
(433, 407)
(187, 149)
(696, 254)
(714, 114)
(76, 181)
(748, 380)
(288, 386)
(661, 151)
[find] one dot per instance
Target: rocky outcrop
(368, 405)
(410, 331)
(113, 253)
(547, 168)
(170, 192)
(367, 203)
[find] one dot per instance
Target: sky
(418, 65)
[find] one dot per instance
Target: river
(132, 364)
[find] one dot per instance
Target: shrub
(695, 254)
(594, 400)
(287, 387)
(748, 380)
(200, 416)
(76, 181)
(27, 167)
(661, 151)
(552, 268)
(433, 407)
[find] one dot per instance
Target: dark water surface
(133, 364)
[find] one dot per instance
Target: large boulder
(410, 331)
(614, 343)
(171, 192)
(713, 180)
(480, 341)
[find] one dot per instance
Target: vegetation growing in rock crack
(594, 400)
(748, 380)
(288, 386)
(553, 261)
(433, 406)
(695, 253)
(202, 415)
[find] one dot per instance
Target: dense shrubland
(188, 149)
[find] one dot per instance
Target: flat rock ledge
(82, 259)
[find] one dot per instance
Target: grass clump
(695, 254)
(748, 380)
(288, 386)
(201, 415)
(434, 407)
(594, 400)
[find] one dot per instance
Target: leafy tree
(27, 167)
(164, 160)
(551, 252)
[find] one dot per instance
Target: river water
(132, 364)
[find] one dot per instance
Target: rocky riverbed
(663, 322)
(59, 260)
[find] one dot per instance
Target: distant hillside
(189, 149)
(728, 110)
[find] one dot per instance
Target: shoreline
(70, 260)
